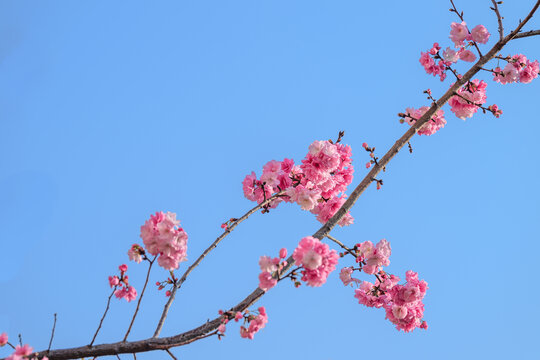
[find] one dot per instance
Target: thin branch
(227, 231)
(118, 357)
(140, 297)
(341, 244)
(103, 317)
(499, 19)
(527, 34)
(170, 353)
(52, 333)
(210, 327)
(11, 345)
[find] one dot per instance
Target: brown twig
(103, 317)
(227, 231)
(52, 333)
(527, 34)
(499, 19)
(170, 353)
(350, 251)
(140, 297)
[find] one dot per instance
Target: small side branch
(343, 246)
(499, 18)
(170, 353)
(527, 34)
(103, 317)
(52, 333)
(140, 297)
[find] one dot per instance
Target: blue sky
(110, 111)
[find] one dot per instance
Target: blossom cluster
(469, 97)
(402, 303)
(162, 236)
(518, 69)
(317, 260)
(21, 351)
(252, 323)
(472, 96)
(317, 185)
(268, 267)
(125, 290)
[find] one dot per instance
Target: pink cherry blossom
(268, 264)
(450, 55)
(266, 281)
(345, 276)
(128, 293)
(24, 350)
(255, 324)
(135, 253)
(495, 110)
(123, 268)
(283, 253)
(458, 33)
(162, 236)
(238, 316)
(3, 339)
(467, 55)
(113, 281)
(480, 34)
(316, 258)
(374, 256)
(221, 328)
(529, 72)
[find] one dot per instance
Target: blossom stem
(140, 297)
(341, 244)
(52, 333)
(104, 314)
(499, 18)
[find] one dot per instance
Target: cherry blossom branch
(527, 34)
(103, 317)
(499, 18)
(210, 327)
(140, 297)
(227, 231)
(52, 333)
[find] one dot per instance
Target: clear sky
(112, 110)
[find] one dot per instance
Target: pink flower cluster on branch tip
(3, 339)
(317, 260)
(402, 303)
(162, 236)
(519, 69)
(125, 291)
(316, 185)
(256, 323)
(136, 253)
(269, 266)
